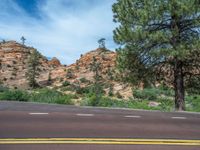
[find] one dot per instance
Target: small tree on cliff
(33, 71)
(152, 33)
(102, 43)
(23, 40)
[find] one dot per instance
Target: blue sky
(61, 28)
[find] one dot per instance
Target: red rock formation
(54, 62)
(14, 65)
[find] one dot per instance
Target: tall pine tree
(96, 67)
(156, 32)
(33, 72)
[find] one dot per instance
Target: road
(41, 126)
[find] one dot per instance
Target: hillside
(14, 65)
(80, 72)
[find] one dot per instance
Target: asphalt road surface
(40, 126)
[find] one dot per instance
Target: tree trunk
(179, 86)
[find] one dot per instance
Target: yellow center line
(98, 141)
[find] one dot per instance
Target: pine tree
(23, 40)
(97, 86)
(102, 43)
(33, 72)
(156, 32)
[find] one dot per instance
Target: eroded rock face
(14, 66)
(54, 62)
(80, 72)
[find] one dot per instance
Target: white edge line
(132, 116)
(178, 117)
(38, 113)
(86, 115)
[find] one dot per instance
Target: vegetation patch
(152, 93)
(193, 103)
(39, 95)
(141, 99)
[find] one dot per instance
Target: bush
(110, 102)
(135, 104)
(193, 86)
(3, 89)
(77, 88)
(148, 94)
(193, 103)
(66, 99)
(83, 90)
(164, 90)
(90, 101)
(41, 95)
(66, 83)
(166, 105)
(83, 80)
(153, 93)
(15, 95)
(50, 96)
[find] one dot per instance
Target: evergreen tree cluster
(153, 33)
(33, 71)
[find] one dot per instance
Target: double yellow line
(111, 141)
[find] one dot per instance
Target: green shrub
(3, 88)
(68, 88)
(143, 104)
(41, 95)
(109, 102)
(193, 103)
(164, 90)
(110, 92)
(193, 85)
(90, 101)
(153, 93)
(50, 96)
(77, 88)
(84, 80)
(148, 94)
(106, 102)
(66, 99)
(166, 105)
(66, 83)
(15, 95)
(83, 90)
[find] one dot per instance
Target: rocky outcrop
(14, 66)
(54, 62)
(80, 72)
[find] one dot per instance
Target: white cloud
(66, 29)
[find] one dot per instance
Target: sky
(58, 28)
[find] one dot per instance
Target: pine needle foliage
(152, 33)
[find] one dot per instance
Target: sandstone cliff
(14, 65)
